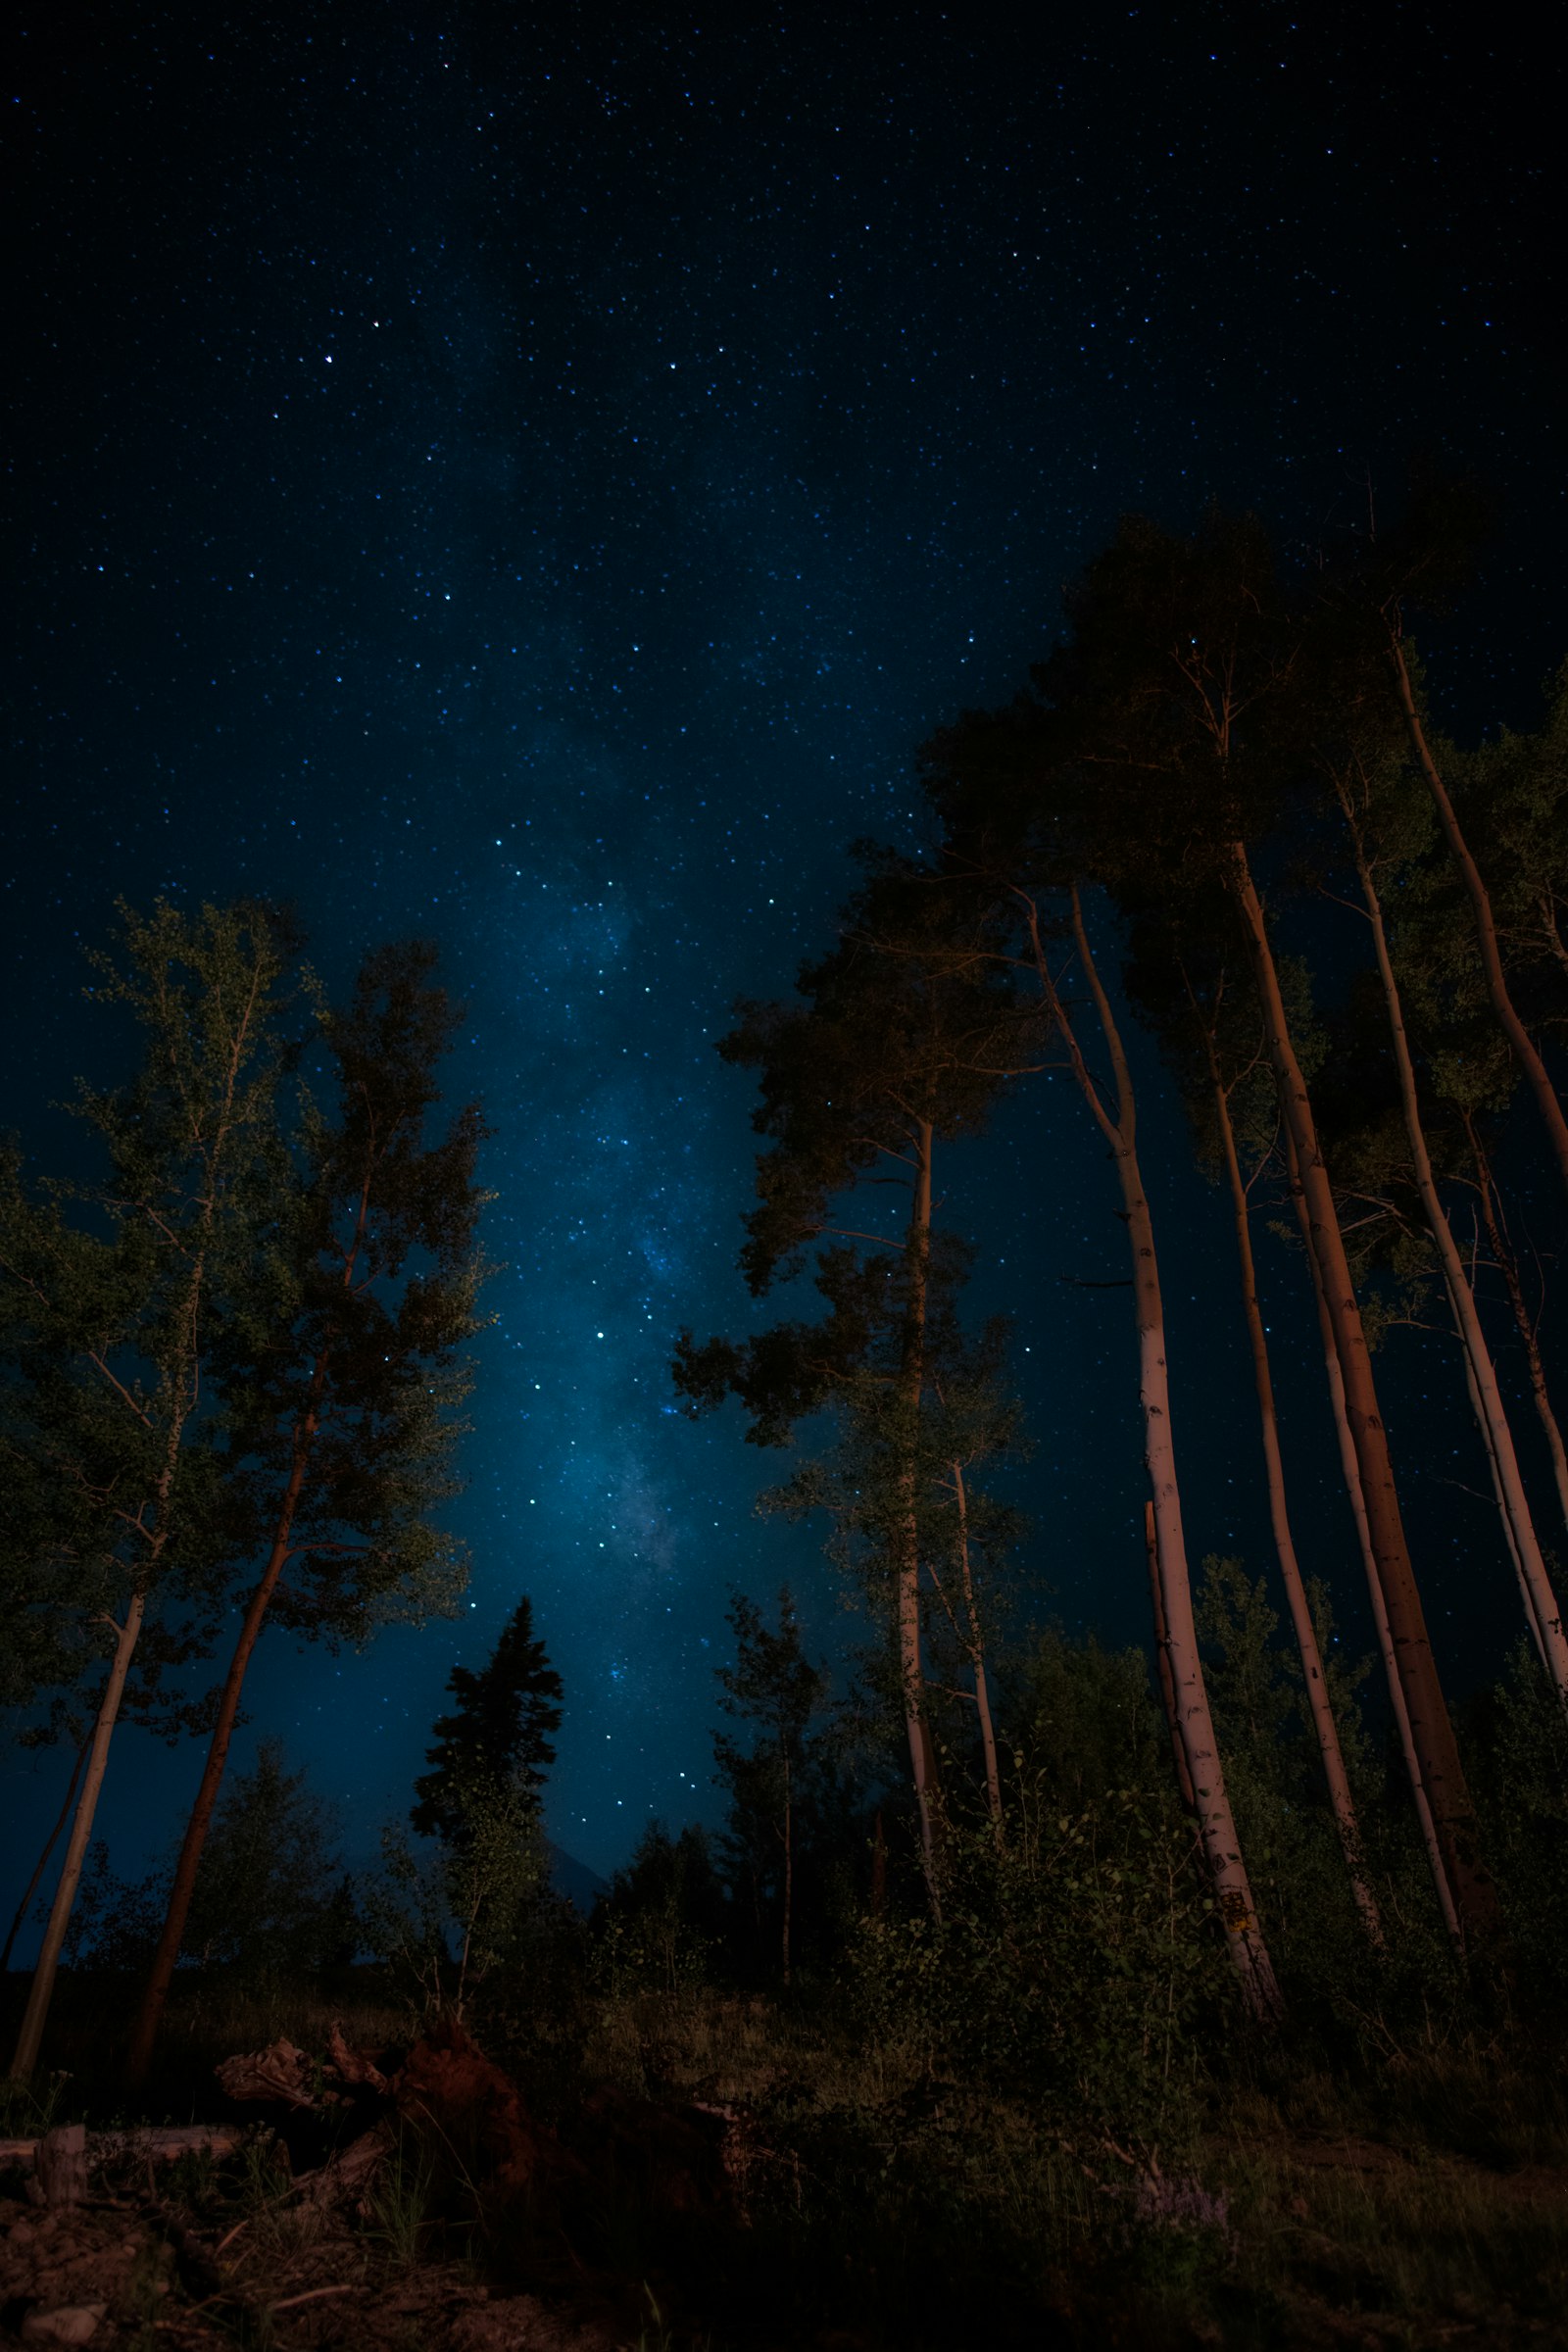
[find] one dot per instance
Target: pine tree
(498, 1737)
(907, 1035)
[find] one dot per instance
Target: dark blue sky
(534, 477)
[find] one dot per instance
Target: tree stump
(63, 2164)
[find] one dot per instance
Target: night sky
(531, 478)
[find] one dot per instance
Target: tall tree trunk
(1221, 1846)
(155, 1994)
(1540, 1603)
(28, 2041)
(1441, 1772)
(1502, 1003)
(183, 1386)
(1379, 1615)
(1499, 1496)
(126, 1636)
(1317, 1692)
(1507, 1266)
(977, 1656)
(1167, 1681)
(42, 1864)
(907, 1570)
(789, 1862)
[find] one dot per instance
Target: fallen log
(165, 2142)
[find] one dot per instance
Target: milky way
(534, 485)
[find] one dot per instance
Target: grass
(1421, 2203)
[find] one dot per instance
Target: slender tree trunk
(30, 2036)
(60, 1819)
(789, 1863)
(1540, 1603)
(1524, 1045)
(1499, 1494)
(1167, 1684)
(1317, 1692)
(155, 1994)
(1441, 1772)
(977, 1657)
(1221, 1846)
(127, 1637)
(1379, 1615)
(912, 1673)
(183, 1388)
(1507, 1266)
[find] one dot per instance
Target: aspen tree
(343, 1378)
(1117, 1121)
(1160, 737)
(1367, 595)
(1355, 793)
(1209, 1028)
(123, 1313)
(774, 1687)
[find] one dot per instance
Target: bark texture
(1441, 1773)
(1540, 1603)
(907, 1569)
(1525, 1051)
(1324, 1725)
(1379, 1615)
(1210, 1802)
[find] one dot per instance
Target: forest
(1030, 1989)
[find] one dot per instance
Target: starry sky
(531, 477)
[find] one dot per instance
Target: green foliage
(344, 1367)
(1339, 1986)
(665, 1917)
(1088, 1723)
(1077, 1959)
(775, 1783)
(1519, 1738)
(451, 1914)
(113, 1291)
(499, 1735)
(273, 1903)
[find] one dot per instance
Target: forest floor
(704, 2173)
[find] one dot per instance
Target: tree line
(1225, 730)
(235, 1358)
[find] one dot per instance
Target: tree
(665, 1912)
(995, 779)
(119, 1305)
(498, 1735)
(774, 1687)
(343, 1373)
(1211, 1032)
(907, 1034)
(273, 1902)
(1369, 801)
(479, 1803)
(1178, 682)
(1424, 562)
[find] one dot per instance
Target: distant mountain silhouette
(580, 1886)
